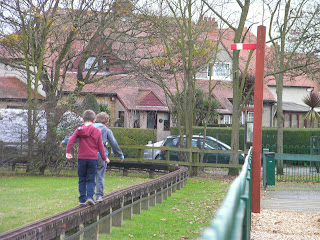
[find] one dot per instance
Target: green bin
(271, 178)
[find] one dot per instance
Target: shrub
(132, 137)
(90, 102)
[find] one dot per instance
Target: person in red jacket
(90, 143)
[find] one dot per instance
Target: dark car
(197, 142)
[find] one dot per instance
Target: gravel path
(288, 212)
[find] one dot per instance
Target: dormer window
(101, 64)
(90, 61)
(220, 71)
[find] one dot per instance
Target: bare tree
(290, 23)
(176, 47)
(237, 24)
(22, 29)
(51, 39)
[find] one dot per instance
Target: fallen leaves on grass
(174, 208)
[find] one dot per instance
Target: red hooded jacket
(90, 142)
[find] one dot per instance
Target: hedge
(292, 137)
(133, 137)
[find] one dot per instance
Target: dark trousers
(87, 169)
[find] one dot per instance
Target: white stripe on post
(240, 46)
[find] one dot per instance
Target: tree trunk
(279, 123)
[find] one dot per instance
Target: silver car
(152, 153)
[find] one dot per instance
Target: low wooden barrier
(87, 222)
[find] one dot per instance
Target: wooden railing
(193, 165)
(12, 157)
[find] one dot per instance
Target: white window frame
(226, 119)
(250, 116)
(215, 76)
(166, 117)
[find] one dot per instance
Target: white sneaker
(99, 199)
(90, 201)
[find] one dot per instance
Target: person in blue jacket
(102, 120)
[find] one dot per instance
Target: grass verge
(182, 216)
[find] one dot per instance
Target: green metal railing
(293, 149)
(233, 218)
(297, 167)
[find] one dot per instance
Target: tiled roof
(227, 39)
(141, 95)
(296, 81)
(131, 96)
(223, 91)
(133, 93)
(13, 88)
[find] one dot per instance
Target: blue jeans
(87, 169)
(101, 171)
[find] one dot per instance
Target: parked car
(197, 142)
(152, 153)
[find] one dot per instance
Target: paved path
(285, 210)
(294, 197)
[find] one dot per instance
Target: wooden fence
(12, 154)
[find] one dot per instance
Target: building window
(250, 116)
(227, 119)
(287, 120)
(295, 121)
(220, 71)
(90, 61)
(120, 121)
(152, 120)
(136, 120)
(102, 65)
(166, 121)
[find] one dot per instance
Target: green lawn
(183, 215)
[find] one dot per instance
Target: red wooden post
(257, 109)
(257, 119)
